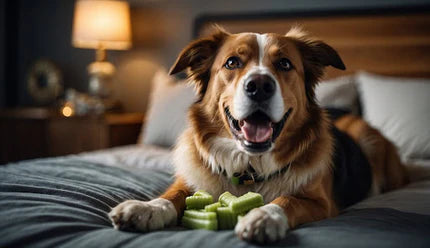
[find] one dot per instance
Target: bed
(64, 201)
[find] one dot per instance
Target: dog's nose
(259, 87)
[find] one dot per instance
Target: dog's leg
(271, 222)
(176, 195)
(152, 215)
(264, 224)
(304, 210)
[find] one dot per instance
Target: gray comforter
(65, 201)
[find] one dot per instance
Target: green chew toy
(200, 214)
(198, 202)
(246, 202)
(212, 207)
(199, 224)
(202, 193)
(226, 218)
(227, 198)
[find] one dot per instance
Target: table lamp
(101, 25)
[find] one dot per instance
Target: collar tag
(242, 178)
(248, 178)
(235, 180)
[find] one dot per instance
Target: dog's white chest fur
(225, 156)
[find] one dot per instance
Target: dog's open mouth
(256, 132)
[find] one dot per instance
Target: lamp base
(100, 83)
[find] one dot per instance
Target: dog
(256, 121)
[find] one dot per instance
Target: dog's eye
(285, 64)
(233, 63)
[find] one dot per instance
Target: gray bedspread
(65, 201)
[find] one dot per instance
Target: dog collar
(250, 176)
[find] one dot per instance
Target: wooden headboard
(389, 42)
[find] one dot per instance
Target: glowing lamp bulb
(67, 111)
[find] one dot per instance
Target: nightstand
(38, 132)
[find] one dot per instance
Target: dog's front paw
(265, 224)
(143, 216)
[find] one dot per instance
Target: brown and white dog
(256, 120)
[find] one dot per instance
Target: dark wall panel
(45, 32)
(2, 52)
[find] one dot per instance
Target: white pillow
(339, 93)
(400, 109)
(168, 106)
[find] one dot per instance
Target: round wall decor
(44, 82)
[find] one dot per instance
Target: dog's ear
(320, 54)
(198, 58)
(316, 55)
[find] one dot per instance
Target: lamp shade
(102, 24)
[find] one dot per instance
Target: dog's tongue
(257, 132)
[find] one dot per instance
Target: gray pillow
(166, 118)
(400, 109)
(339, 92)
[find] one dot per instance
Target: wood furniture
(36, 132)
(393, 42)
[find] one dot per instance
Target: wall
(45, 32)
(180, 14)
(161, 28)
(2, 52)
(174, 29)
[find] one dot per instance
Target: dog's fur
(208, 153)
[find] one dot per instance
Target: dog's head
(256, 87)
